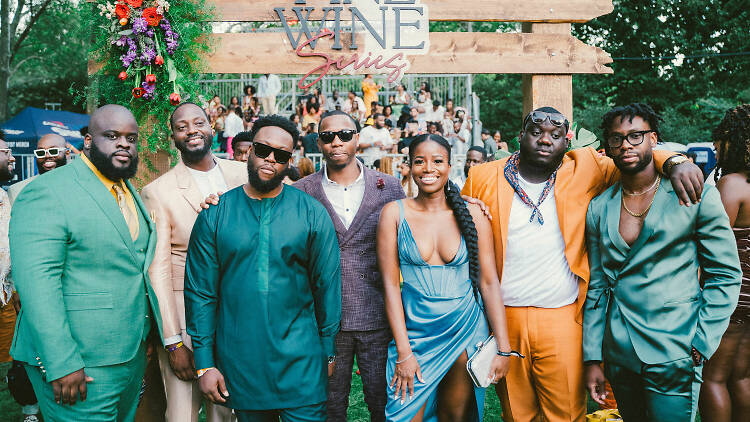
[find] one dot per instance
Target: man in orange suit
(538, 199)
(174, 200)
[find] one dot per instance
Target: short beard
(60, 162)
(193, 156)
(648, 158)
(264, 186)
(103, 163)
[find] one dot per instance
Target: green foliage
(189, 20)
(690, 94)
(50, 60)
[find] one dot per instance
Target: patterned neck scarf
(511, 174)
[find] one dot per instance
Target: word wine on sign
(382, 34)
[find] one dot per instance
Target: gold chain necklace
(653, 185)
(640, 214)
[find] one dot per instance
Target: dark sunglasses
(53, 152)
(345, 135)
(263, 151)
(539, 117)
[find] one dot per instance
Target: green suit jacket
(645, 302)
(84, 288)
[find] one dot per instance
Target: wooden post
(548, 90)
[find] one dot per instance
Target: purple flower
(139, 25)
(148, 90)
(150, 33)
(128, 58)
(148, 55)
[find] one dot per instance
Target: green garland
(151, 54)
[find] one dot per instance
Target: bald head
(112, 142)
(51, 152)
(105, 115)
(51, 140)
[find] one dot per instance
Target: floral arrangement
(150, 52)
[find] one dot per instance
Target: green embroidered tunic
(263, 297)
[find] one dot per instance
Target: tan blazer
(173, 201)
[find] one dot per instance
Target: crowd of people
(256, 297)
(385, 127)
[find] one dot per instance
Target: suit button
(361, 252)
(361, 276)
(141, 250)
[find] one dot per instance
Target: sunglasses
(53, 152)
(345, 135)
(279, 155)
(538, 117)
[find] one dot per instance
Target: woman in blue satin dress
(444, 251)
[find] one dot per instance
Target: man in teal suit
(81, 243)
(646, 315)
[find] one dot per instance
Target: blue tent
(24, 130)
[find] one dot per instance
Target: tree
(28, 13)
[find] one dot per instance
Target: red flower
(159, 60)
(134, 3)
(138, 92)
(569, 135)
(380, 184)
(174, 98)
(123, 75)
(151, 16)
(151, 79)
(122, 10)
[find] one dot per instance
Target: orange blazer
(583, 175)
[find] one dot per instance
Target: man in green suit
(646, 316)
(81, 243)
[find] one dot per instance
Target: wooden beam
(541, 90)
(439, 10)
(450, 52)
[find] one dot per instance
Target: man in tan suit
(174, 202)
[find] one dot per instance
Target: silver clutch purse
(479, 363)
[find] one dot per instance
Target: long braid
(460, 213)
(733, 135)
(468, 231)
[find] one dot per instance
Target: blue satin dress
(442, 321)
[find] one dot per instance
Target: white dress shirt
(525, 282)
(233, 125)
(345, 200)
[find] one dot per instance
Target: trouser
(184, 397)
(548, 383)
(662, 392)
(7, 326)
(371, 351)
(111, 396)
(269, 104)
(312, 413)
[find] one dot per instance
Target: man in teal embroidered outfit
(263, 290)
(648, 315)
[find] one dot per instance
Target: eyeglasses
(263, 151)
(345, 135)
(634, 138)
(53, 152)
(539, 117)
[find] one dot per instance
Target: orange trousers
(7, 327)
(547, 384)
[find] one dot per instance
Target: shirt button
(361, 252)
(361, 276)
(347, 210)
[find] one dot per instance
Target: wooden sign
(440, 10)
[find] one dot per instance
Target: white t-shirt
(209, 182)
(233, 125)
(370, 135)
(536, 272)
(432, 115)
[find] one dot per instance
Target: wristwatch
(331, 359)
(673, 161)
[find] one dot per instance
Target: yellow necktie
(130, 218)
